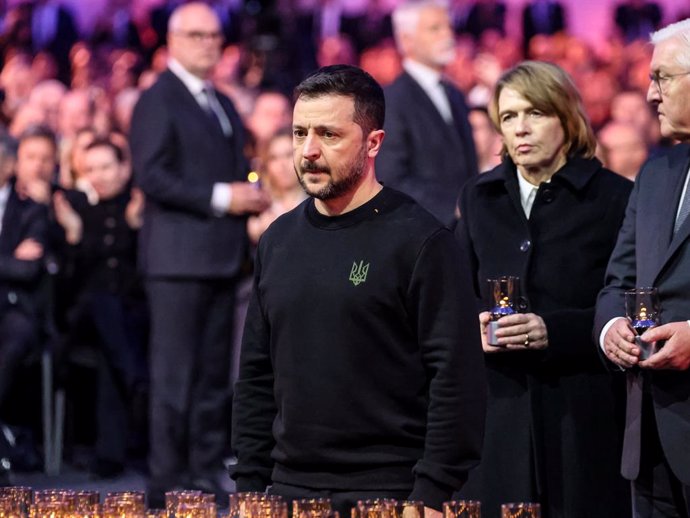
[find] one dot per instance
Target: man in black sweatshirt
(361, 373)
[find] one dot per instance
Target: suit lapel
(663, 217)
(10, 223)
(192, 107)
(421, 99)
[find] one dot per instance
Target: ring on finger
(526, 339)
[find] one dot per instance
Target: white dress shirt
(528, 193)
(4, 196)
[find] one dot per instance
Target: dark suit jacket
(422, 155)
(178, 153)
(23, 219)
(647, 254)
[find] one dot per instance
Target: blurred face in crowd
(279, 167)
(669, 92)
(75, 112)
(625, 148)
(431, 42)
(534, 140)
(486, 140)
(631, 108)
(104, 172)
(79, 144)
(195, 38)
(271, 112)
(330, 151)
(36, 160)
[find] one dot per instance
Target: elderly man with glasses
(653, 250)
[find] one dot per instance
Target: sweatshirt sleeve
(254, 407)
(442, 304)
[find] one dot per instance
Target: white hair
(406, 16)
(679, 30)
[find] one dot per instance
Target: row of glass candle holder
(22, 502)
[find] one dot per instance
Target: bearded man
(361, 372)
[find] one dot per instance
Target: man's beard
(335, 187)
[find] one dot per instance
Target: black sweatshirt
(361, 364)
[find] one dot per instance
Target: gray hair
(406, 16)
(679, 30)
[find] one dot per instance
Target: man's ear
(374, 141)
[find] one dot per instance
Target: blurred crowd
(67, 99)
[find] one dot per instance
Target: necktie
(216, 113)
(683, 212)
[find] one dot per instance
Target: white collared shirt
(430, 81)
(528, 193)
(193, 83)
(222, 192)
(4, 196)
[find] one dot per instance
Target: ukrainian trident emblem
(358, 274)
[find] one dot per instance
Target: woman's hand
(520, 331)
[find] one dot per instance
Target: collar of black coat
(577, 172)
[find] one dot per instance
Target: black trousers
(190, 354)
(342, 501)
(18, 337)
(117, 325)
(657, 492)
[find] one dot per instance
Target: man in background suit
(22, 242)
(429, 152)
(187, 142)
(653, 249)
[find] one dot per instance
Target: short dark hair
(106, 142)
(349, 81)
(38, 131)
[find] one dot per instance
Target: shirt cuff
(221, 198)
(605, 330)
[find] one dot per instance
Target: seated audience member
(100, 269)
(272, 110)
(16, 82)
(123, 106)
(334, 50)
(47, 96)
(624, 148)
(22, 242)
(382, 62)
(631, 107)
(36, 164)
(76, 111)
(280, 180)
(72, 152)
(27, 115)
(487, 141)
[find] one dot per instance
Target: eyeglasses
(662, 80)
(200, 36)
